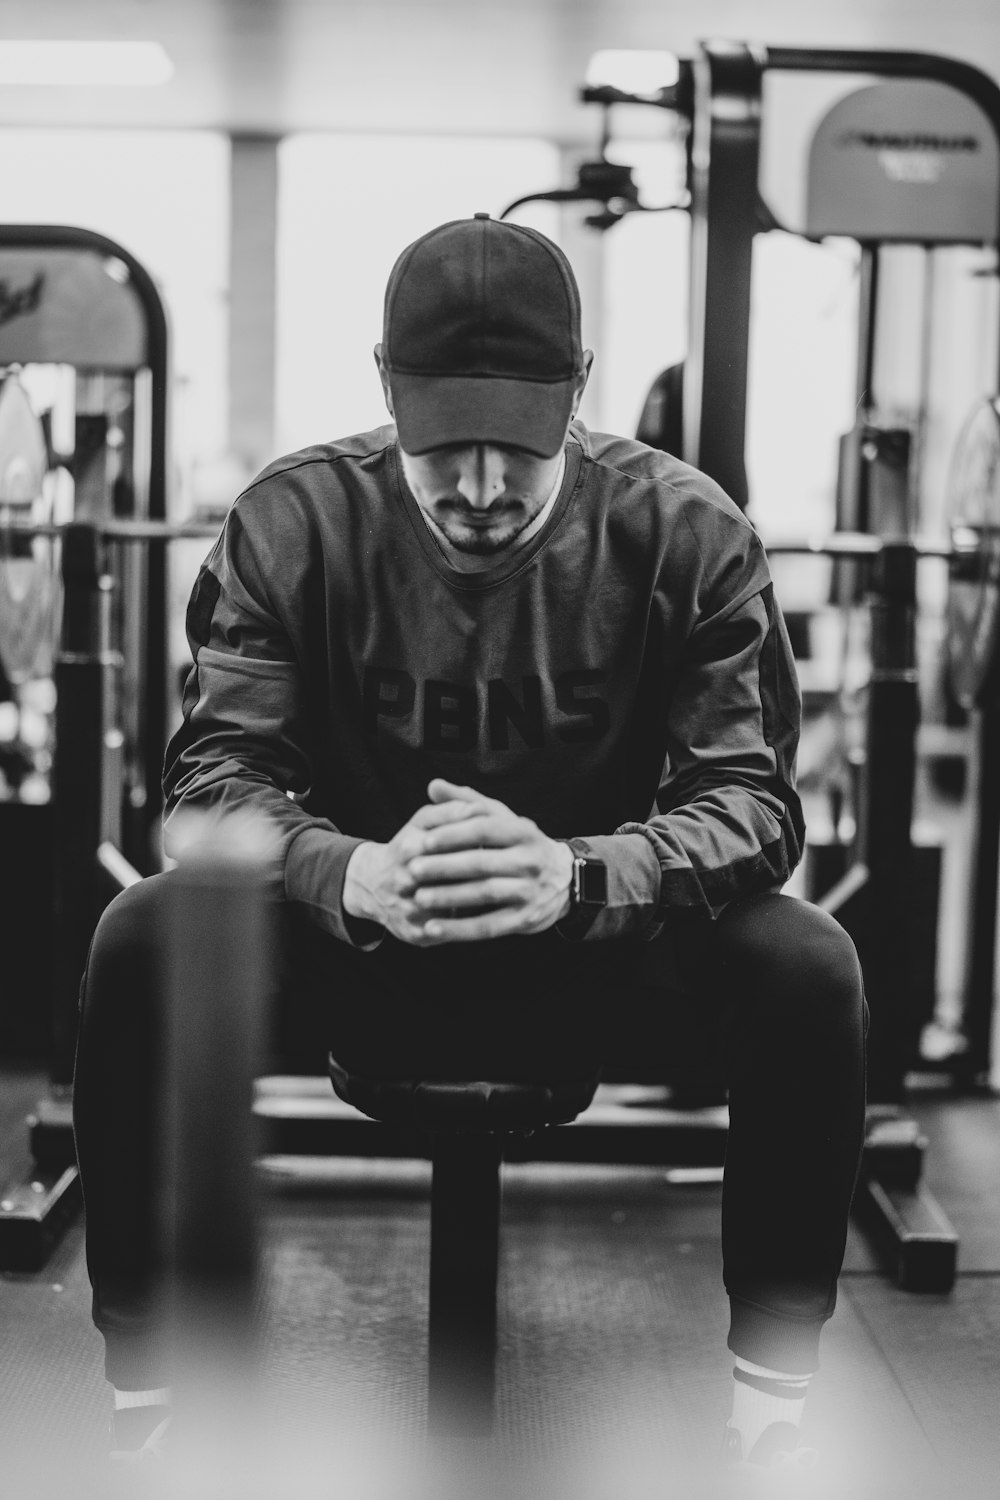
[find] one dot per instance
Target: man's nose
(481, 475)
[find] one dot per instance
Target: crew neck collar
(510, 562)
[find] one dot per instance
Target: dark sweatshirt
(624, 677)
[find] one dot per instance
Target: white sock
(160, 1397)
(762, 1396)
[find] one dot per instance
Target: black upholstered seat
(473, 1105)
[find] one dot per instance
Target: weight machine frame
(726, 216)
(34, 1211)
(720, 94)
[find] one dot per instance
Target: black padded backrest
(474, 1105)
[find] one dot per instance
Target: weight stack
(827, 859)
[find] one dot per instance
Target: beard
(482, 540)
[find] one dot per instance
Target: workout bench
(468, 1123)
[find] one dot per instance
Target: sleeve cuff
(633, 890)
(315, 866)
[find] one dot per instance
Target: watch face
(593, 883)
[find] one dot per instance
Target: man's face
(480, 496)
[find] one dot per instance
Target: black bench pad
(476, 1105)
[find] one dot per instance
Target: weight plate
(973, 612)
(27, 564)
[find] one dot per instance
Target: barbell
(115, 529)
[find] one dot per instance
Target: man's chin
(480, 542)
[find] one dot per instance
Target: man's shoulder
(320, 461)
(632, 464)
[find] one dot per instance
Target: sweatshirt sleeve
(244, 741)
(727, 821)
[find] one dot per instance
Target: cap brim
(434, 411)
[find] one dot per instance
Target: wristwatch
(588, 887)
(588, 891)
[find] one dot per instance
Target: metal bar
(119, 529)
(612, 1131)
(973, 1066)
(724, 219)
(836, 544)
(154, 644)
(850, 884)
(963, 76)
(864, 388)
(254, 196)
(852, 544)
(619, 1134)
(133, 570)
(114, 863)
(886, 845)
(462, 1334)
(80, 676)
(302, 1116)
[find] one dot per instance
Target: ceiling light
(636, 73)
(84, 64)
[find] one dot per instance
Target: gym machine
(905, 151)
(908, 152)
(82, 636)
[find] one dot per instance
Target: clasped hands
(463, 869)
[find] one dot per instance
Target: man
(520, 704)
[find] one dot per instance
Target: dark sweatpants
(778, 980)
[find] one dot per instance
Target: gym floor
(613, 1373)
(613, 1368)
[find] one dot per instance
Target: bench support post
(465, 1227)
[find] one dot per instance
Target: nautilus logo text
(915, 140)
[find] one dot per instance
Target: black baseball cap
(481, 338)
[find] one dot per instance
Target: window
(163, 195)
(347, 206)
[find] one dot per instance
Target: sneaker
(139, 1434)
(779, 1465)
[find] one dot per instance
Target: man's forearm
(358, 898)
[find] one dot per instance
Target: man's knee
(786, 951)
(124, 950)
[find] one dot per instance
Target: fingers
(469, 862)
(440, 790)
(502, 922)
(470, 869)
(436, 814)
(460, 895)
(428, 926)
(470, 823)
(477, 832)
(412, 838)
